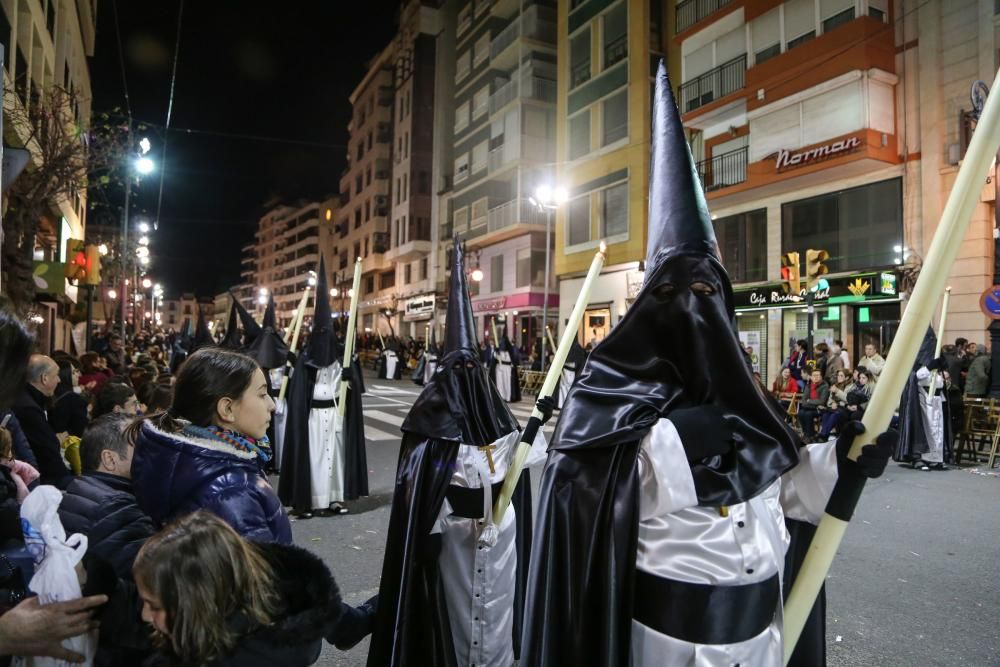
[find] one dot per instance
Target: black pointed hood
(323, 348)
(232, 340)
(250, 327)
(460, 325)
(460, 403)
(677, 346)
(679, 221)
(268, 347)
(202, 336)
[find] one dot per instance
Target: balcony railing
(512, 213)
(538, 23)
(720, 171)
(725, 79)
(690, 12)
(579, 73)
(536, 88)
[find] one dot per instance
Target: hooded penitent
(250, 327)
(458, 407)
(202, 336)
(913, 433)
(676, 347)
(233, 340)
(268, 348)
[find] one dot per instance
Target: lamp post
(547, 199)
(142, 166)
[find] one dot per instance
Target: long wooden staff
(352, 325)
(548, 332)
(295, 329)
(940, 339)
(939, 259)
(555, 371)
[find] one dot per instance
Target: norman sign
(787, 159)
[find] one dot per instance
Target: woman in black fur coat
(215, 599)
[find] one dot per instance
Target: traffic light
(76, 260)
(815, 268)
(93, 264)
(791, 281)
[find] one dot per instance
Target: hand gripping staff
(352, 325)
(551, 379)
(940, 339)
(938, 260)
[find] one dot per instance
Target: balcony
(690, 12)
(720, 171)
(537, 149)
(380, 242)
(383, 133)
(543, 90)
(385, 96)
(508, 220)
(536, 23)
(616, 51)
(714, 84)
(409, 251)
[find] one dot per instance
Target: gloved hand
(874, 457)
(345, 374)
(939, 364)
(353, 624)
(703, 430)
(545, 405)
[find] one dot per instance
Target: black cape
(515, 383)
(574, 362)
(913, 437)
(294, 485)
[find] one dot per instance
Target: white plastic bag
(56, 557)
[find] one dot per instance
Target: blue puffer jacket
(174, 474)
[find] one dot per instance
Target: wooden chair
(981, 426)
(792, 411)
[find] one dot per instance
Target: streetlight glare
(560, 195)
(144, 145)
(103, 249)
(262, 291)
(112, 294)
(144, 227)
(147, 283)
(143, 240)
(144, 165)
(477, 275)
(334, 292)
(543, 193)
(144, 260)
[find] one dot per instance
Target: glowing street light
(144, 260)
(144, 145)
(147, 283)
(547, 198)
(262, 291)
(112, 294)
(334, 292)
(143, 240)
(144, 166)
(144, 227)
(477, 275)
(103, 249)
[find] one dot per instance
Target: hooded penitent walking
(320, 468)
(924, 417)
(660, 536)
(452, 581)
(505, 370)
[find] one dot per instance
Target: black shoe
(302, 515)
(337, 508)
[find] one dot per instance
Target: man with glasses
(30, 409)
(115, 397)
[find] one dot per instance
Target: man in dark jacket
(101, 504)
(29, 408)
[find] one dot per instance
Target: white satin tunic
(479, 580)
(505, 375)
(681, 541)
(390, 364)
(430, 364)
(278, 416)
(932, 414)
(326, 447)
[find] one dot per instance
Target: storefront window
(859, 227)
(743, 241)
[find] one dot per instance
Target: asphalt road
(916, 582)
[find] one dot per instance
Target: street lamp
(477, 274)
(547, 199)
(144, 166)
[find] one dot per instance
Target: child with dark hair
(115, 397)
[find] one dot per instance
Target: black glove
(345, 374)
(353, 624)
(939, 364)
(545, 405)
(703, 430)
(873, 458)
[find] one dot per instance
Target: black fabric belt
(705, 613)
(322, 404)
(468, 503)
(505, 363)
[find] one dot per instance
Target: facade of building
(608, 54)
(835, 125)
(497, 116)
(173, 312)
(47, 43)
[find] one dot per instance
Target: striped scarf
(262, 447)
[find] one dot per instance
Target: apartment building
(835, 125)
(498, 116)
(286, 249)
(47, 43)
(609, 51)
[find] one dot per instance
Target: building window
(578, 221)
(361, 149)
(371, 137)
(615, 35)
(614, 210)
(461, 117)
(358, 184)
(614, 113)
(423, 183)
(479, 154)
(800, 22)
(461, 167)
(835, 13)
(496, 273)
(368, 210)
(369, 284)
(368, 176)
(461, 219)
(406, 274)
(462, 66)
(481, 102)
(387, 279)
(464, 18)
(399, 190)
(765, 35)
(530, 267)
(860, 227)
(579, 135)
(357, 248)
(579, 58)
(423, 269)
(742, 240)
(481, 50)
(877, 9)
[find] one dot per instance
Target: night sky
(281, 70)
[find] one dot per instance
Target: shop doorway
(875, 325)
(596, 324)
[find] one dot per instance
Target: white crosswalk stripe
(375, 434)
(395, 420)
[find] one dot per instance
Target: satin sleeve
(538, 454)
(665, 481)
(806, 488)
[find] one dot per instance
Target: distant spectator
(69, 409)
(834, 363)
(101, 503)
(814, 399)
(154, 397)
(115, 355)
(797, 360)
(94, 372)
(845, 358)
(977, 382)
(40, 385)
(872, 360)
(821, 354)
(115, 397)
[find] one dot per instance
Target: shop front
(521, 314)
(858, 309)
